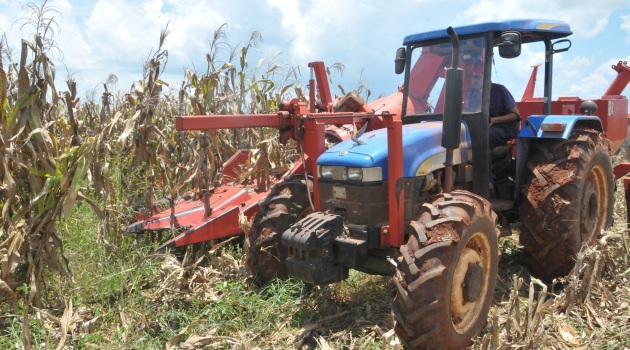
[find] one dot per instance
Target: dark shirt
(501, 101)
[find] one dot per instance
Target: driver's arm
(511, 116)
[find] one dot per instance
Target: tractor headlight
(372, 174)
(354, 174)
(325, 171)
(341, 173)
(364, 174)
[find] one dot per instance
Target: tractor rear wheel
(568, 200)
(447, 273)
(287, 203)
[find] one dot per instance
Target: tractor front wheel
(447, 273)
(287, 203)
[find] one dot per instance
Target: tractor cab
(426, 56)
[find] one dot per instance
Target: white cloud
(10, 15)
(587, 20)
(515, 73)
(75, 51)
(192, 25)
(626, 26)
(99, 37)
(5, 23)
(317, 25)
(361, 35)
(123, 34)
(123, 31)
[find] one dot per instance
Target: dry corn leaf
(123, 321)
(195, 341)
(6, 289)
(64, 324)
(175, 339)
(568, 334)
(600, 321)
(323, 344)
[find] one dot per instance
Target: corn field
(121, 154)
(57, 150)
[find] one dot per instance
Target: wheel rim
(471, 279)
(593, 208)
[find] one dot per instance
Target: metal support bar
(313, 145)
(214, 122)
(395, 233)
(322, 83)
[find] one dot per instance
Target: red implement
(218, 215)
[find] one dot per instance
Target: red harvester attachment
(217, 215)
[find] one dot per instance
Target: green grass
(125, 297)
(113, 283)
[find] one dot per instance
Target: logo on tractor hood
(343, 153)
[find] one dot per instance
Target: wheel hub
(473, 281)
(589, 210)
(594, 205)
(467, 281)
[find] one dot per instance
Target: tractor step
(501, 204)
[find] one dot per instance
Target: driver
(504, 114)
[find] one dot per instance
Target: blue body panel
(569, 120)
(551, 28)
(421, 148)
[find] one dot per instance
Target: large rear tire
(447, 273)
(568, 200)
(287, 203)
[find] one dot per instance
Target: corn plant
(119, 152)
(43, 162)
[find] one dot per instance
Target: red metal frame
(319, 70)
(611, 108)
(294, 120)
(231, 167)
(621, 80)
(214, 122)
(226, 202)
(531, 84)
(394, 234)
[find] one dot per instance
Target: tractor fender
(564, 124)
(532, 130)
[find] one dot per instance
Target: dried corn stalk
(43, 163)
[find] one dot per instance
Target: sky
(97, 38)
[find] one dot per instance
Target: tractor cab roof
(532, 30)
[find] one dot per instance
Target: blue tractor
(413, 199)
(416, 193)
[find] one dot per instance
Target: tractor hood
(422, 152)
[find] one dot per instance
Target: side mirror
(510, 45)
(561, 45)
(399, 61)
